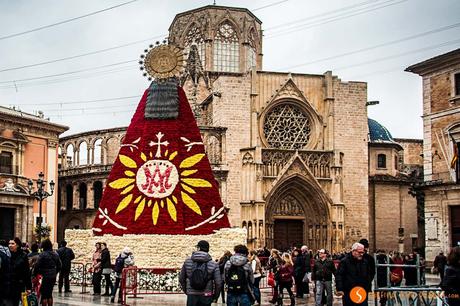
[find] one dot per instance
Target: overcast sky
(299, 36)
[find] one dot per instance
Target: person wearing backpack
(200, 277)
(125, 259)
(239, 278)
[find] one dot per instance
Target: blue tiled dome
(378, 133)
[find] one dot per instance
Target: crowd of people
(235, 278)
(34, 271)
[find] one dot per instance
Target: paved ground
(86, 299)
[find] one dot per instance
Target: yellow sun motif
(156, 180)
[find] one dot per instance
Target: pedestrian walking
(200, 277)
(451, 281)
(396, 273)
(33, 257)
(66, 256)
(382, 276)
(286, 276)
(125, 259)
(96, 269)
(353, 277)
(410, 273)
(439, 263)
(258, 274)
(274, 263)
(222, 261)
(48, 265)
(5, 257)
(239, 278)
(106, 266)
(323, 270)
(19, 272)
(301, 267)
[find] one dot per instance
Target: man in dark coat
(323, 269)
(353, 276)
(370, 259)
(382, 276)
(66, 256)
(18, 278)
(440, 263)
(210, 293)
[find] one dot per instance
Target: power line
(66, 21)
(448, 43)
(448, 27)
(269, 5)
(319, 15)
(67, 73)
(82, 55)
(111, 48)
(333, 18)
(84, 101)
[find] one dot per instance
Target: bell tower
(227, 39)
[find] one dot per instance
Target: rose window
(287, 127)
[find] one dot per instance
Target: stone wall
(159, 251)
(351, 138)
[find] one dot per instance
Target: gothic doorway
(298, 214)
(7, 223)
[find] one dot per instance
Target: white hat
(127, 250)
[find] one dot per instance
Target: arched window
(251, 60)
(381, 161)
(195, 36)
(97, 191)
(70, 155)
(69, 197)
(83, 194)
(83, 153)
(97, 154)
(226, 49)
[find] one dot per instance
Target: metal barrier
(79, 275)
(405, 296)
(144, 281)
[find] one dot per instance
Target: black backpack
(199, 276)
(236, 279)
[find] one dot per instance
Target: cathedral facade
(290, 151)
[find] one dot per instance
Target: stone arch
(70, 154)
(83, 153)
(97, 151)
(69, 197)
(97, 193)
(75, 223)
(299, 210)
(82, 196)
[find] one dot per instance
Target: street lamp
(40, 195)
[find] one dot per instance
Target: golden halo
(164, 61)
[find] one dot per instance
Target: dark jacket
(451, 285)
(286, 273)
(19, 273)
(240, 260)
(66, 255)
(105, 259)
(370, 259)
(382, 278)
(351, 273)
(4, 274)
(48, 264)
(410, 273)
(302, 265)
(440, 262)
(323, 270)
(214, 284)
